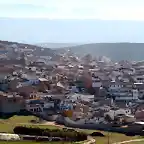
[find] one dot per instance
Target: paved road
(130, 141)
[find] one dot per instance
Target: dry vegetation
(8, 125)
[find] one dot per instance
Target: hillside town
(87, 90)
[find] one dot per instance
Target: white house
(96, 82)
(116, 73)
(128, 70)
(138, 78)
(115, 86)
(95, 120)
(140, 69)
(73, 89)
(114, 112)
(49, 105)
(34, 108)
(124, 79)
(38, 106)
(126, 95)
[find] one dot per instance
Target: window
(31, 110)
(140, 79)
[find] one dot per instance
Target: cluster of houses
(85, 89)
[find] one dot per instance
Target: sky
(74, 9)
(36, 21)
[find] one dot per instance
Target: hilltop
(38, 50)
(57, 45)
(115, 51)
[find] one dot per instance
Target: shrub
(97, 134)
(64, 133)
(31, 138)
(130, 134)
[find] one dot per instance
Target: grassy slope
(9, 124)
(111, 137)
(2, 142)
(142, 142)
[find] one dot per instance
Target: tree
(108, 118)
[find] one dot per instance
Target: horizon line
(80, 43)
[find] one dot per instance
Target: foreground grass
(142, 142)
(19, 142)
(8, 125)
(111, 138)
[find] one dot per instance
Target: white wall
(74, 89)
(128, 98)
(141, 77)
(96, 84)
(113, 113)
(34, 108)
(132, 71)
(135, 94)
(96, 120)
(115, 86)
(116, 73)
(48, 105)
(125, 79)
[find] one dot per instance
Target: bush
(64, 133)
(31, 138)
(97, 134)
(130, 134)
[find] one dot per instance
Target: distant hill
(115, 51)
(57, 45)
(20, 45)
(38, 50)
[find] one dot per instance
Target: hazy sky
(77, 9)
(72, 22)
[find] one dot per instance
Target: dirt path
(44, 123)
(52, 124)
(126, 142)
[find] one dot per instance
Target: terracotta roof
(139, 115)
(27, 89)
